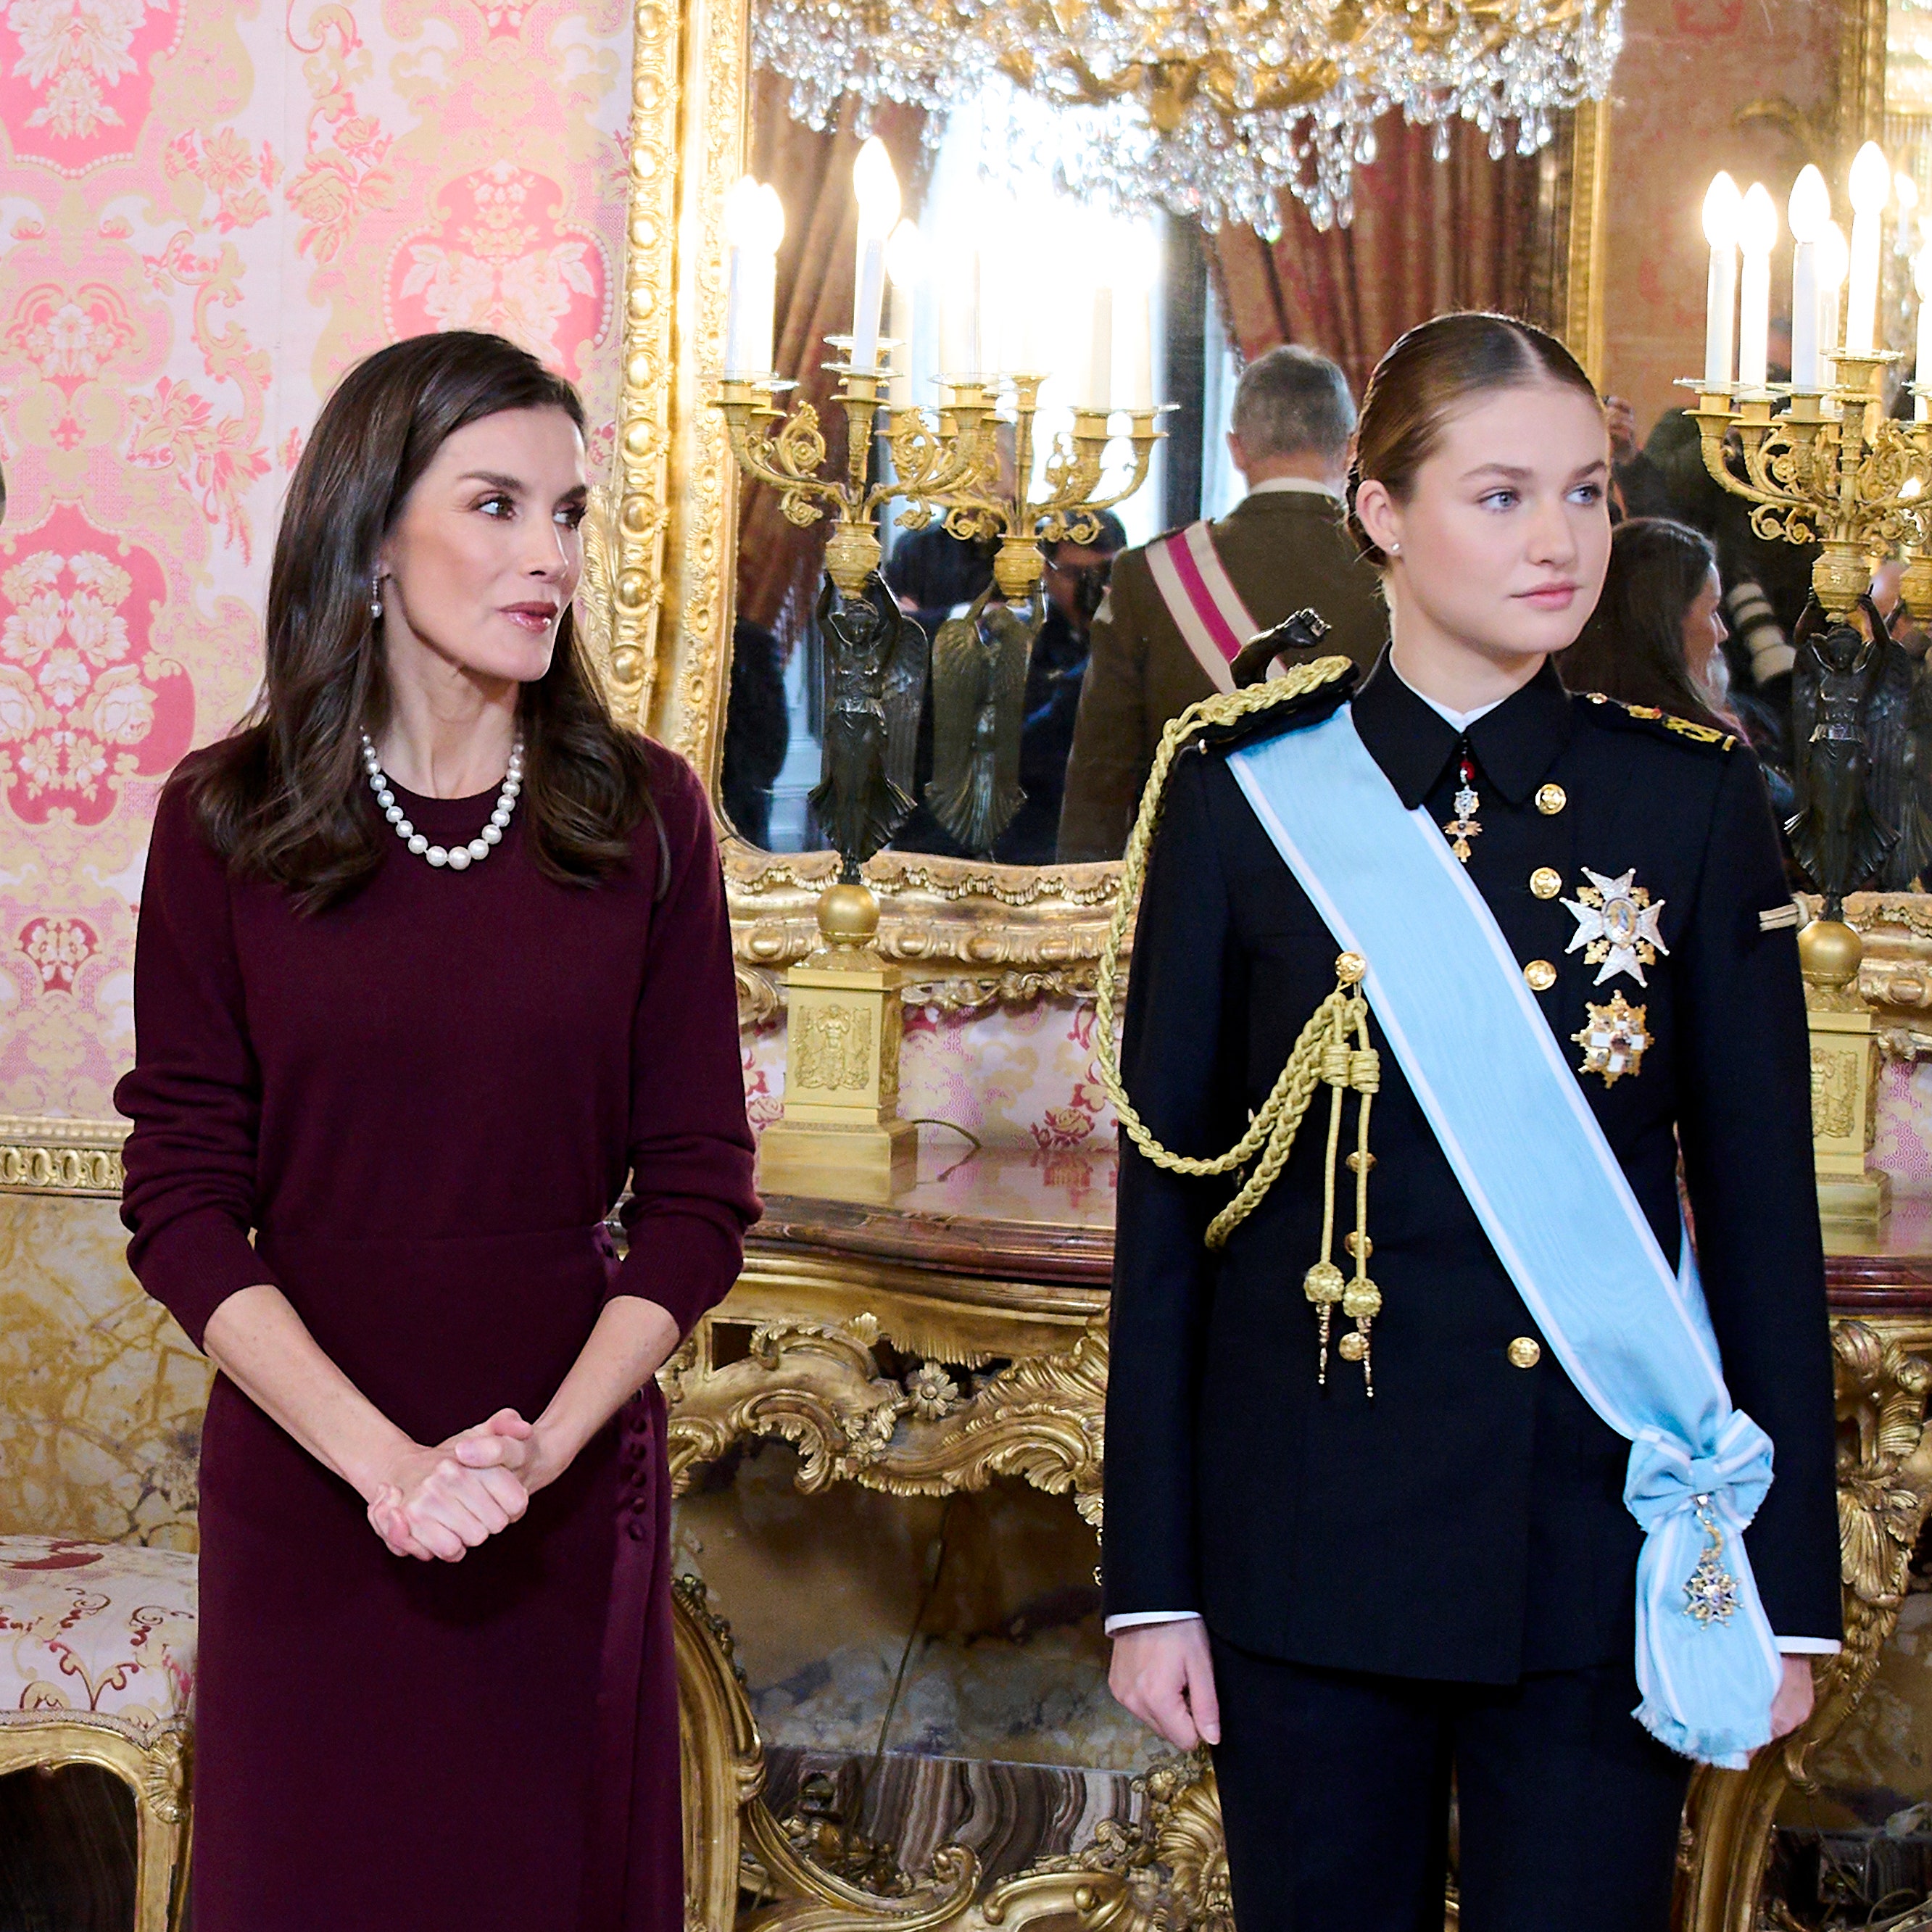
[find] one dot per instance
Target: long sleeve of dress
(1745, 1077)
(194, 1096)
(691, 1147)
(1181, 1045)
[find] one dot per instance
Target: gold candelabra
(950, 468)
(975, 508)
(1832, 468)
(841, 1132)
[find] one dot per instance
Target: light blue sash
(1512, 1118)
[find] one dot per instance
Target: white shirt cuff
(1809, 1646)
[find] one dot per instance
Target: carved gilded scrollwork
(1885, 1487)
(55, 1156)
(817, 1386)
(722, 1762)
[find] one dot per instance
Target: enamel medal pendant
(1463, 827)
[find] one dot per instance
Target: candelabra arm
(788, 461)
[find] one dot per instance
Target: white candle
(764, 256)
(1757, 234)
(1810, 212)
(1096, 380)
(1834, 262)
(877, 187)
(1871, 188)
(905, 264)
(1921, 280)
(1723, 206)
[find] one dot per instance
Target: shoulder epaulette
(1232, 718)
(1648, 718)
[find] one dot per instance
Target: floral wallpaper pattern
(209, 209)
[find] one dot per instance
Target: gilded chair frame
(154, 1766)
(972, 934)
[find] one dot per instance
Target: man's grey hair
(1294, 401)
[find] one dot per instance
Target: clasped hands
(436, 1504)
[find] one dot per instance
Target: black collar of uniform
(1515, 744)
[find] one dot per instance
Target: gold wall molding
(44, 1156)
(1588, 238)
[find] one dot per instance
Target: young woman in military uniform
(1476, 1505)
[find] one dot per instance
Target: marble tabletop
(1047, 1215)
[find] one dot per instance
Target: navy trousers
(1335, 1795)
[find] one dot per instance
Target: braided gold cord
(1271, 1133)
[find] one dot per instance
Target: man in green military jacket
(1283, 548)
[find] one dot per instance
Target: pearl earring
(375, 594)
(1395, 550)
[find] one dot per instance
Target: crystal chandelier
(1210, 108)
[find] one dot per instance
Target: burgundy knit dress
(423, 1102)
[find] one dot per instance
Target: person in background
(1076, 586)
(1656, 636)
(758, 733)
(1179, 609)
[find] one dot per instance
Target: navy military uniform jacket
(1466, 1523)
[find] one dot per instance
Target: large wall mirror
(716, 638)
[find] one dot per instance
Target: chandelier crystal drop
(1209, 109)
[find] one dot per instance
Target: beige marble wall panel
(101, 1395)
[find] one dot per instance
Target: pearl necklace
(456, 857)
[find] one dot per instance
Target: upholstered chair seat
(97, 1666)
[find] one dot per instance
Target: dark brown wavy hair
(1632, 646)
(284, 798)
(1428, 374)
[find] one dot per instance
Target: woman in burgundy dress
(433, 960)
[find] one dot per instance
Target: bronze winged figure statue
(875, 662)
(979, 661)
(1835, 833)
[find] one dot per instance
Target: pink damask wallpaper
(209, 209)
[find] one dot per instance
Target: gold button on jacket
(1540, 974)
(1525, 1352)
(1545, 882)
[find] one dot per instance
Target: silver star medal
(1616, 926)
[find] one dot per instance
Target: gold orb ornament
(848, 915)
(1352, 1347)
(1828, 952)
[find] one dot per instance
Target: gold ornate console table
(985, 1292)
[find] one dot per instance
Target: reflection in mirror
(993, 731)
(1043, 707)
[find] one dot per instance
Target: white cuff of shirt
(1788, 1646)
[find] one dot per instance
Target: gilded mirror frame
(972, 934)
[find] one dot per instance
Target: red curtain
(1467, 232)
(778, 564)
